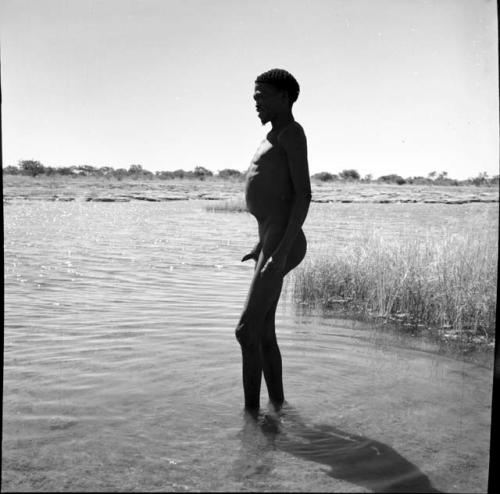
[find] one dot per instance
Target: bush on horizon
(202, 173)
(230, 173)
(349, 175)
(392, 179)
(325, 177)
(31, 167)
(35, 168)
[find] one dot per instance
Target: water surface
(121, 371)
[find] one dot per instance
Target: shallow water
(121, 371)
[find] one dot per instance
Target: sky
(387, 86)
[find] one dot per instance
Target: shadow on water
(352, 458)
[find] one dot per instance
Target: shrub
(495, 180)
(105, 171)
(392, 178)
(481, 179)
(120, 173)
(11, 170)
(86, 170)
(201, 173)
(349, 175)
(31, 167)
(50, 171)
(229, 173)
(418, 180)
(181, 174)
(66, 170)
(164, 175)
(135, 170)
(324, 176)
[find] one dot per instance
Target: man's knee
(247, 337)
(268, 341)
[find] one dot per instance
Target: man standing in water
(278, 193)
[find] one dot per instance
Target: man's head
(275, 91)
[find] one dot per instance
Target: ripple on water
(121, 369)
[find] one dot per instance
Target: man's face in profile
(269, 101)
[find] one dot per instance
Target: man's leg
(271, 355)
(271, 358)
(264, 290)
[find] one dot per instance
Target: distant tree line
(34, 168)
(433, 178)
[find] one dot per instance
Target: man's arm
(293, 140)
(254, 253)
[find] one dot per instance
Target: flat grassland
(81, 188)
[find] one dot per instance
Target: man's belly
(267, 195)
(264, 201)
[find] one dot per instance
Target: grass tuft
(445, 285)
(230, 206)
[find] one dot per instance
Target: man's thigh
(264, 291)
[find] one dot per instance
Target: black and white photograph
(249, 246)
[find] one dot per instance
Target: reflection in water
(352, 458)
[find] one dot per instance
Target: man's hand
(251, 255)
(275, 263)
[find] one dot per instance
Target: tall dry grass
(234, 205)
(445, 284)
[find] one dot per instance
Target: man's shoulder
(292, 135)
(293, 132)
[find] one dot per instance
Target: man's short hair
(283, 80)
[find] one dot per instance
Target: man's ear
(285, 97)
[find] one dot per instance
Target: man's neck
(282, 120)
